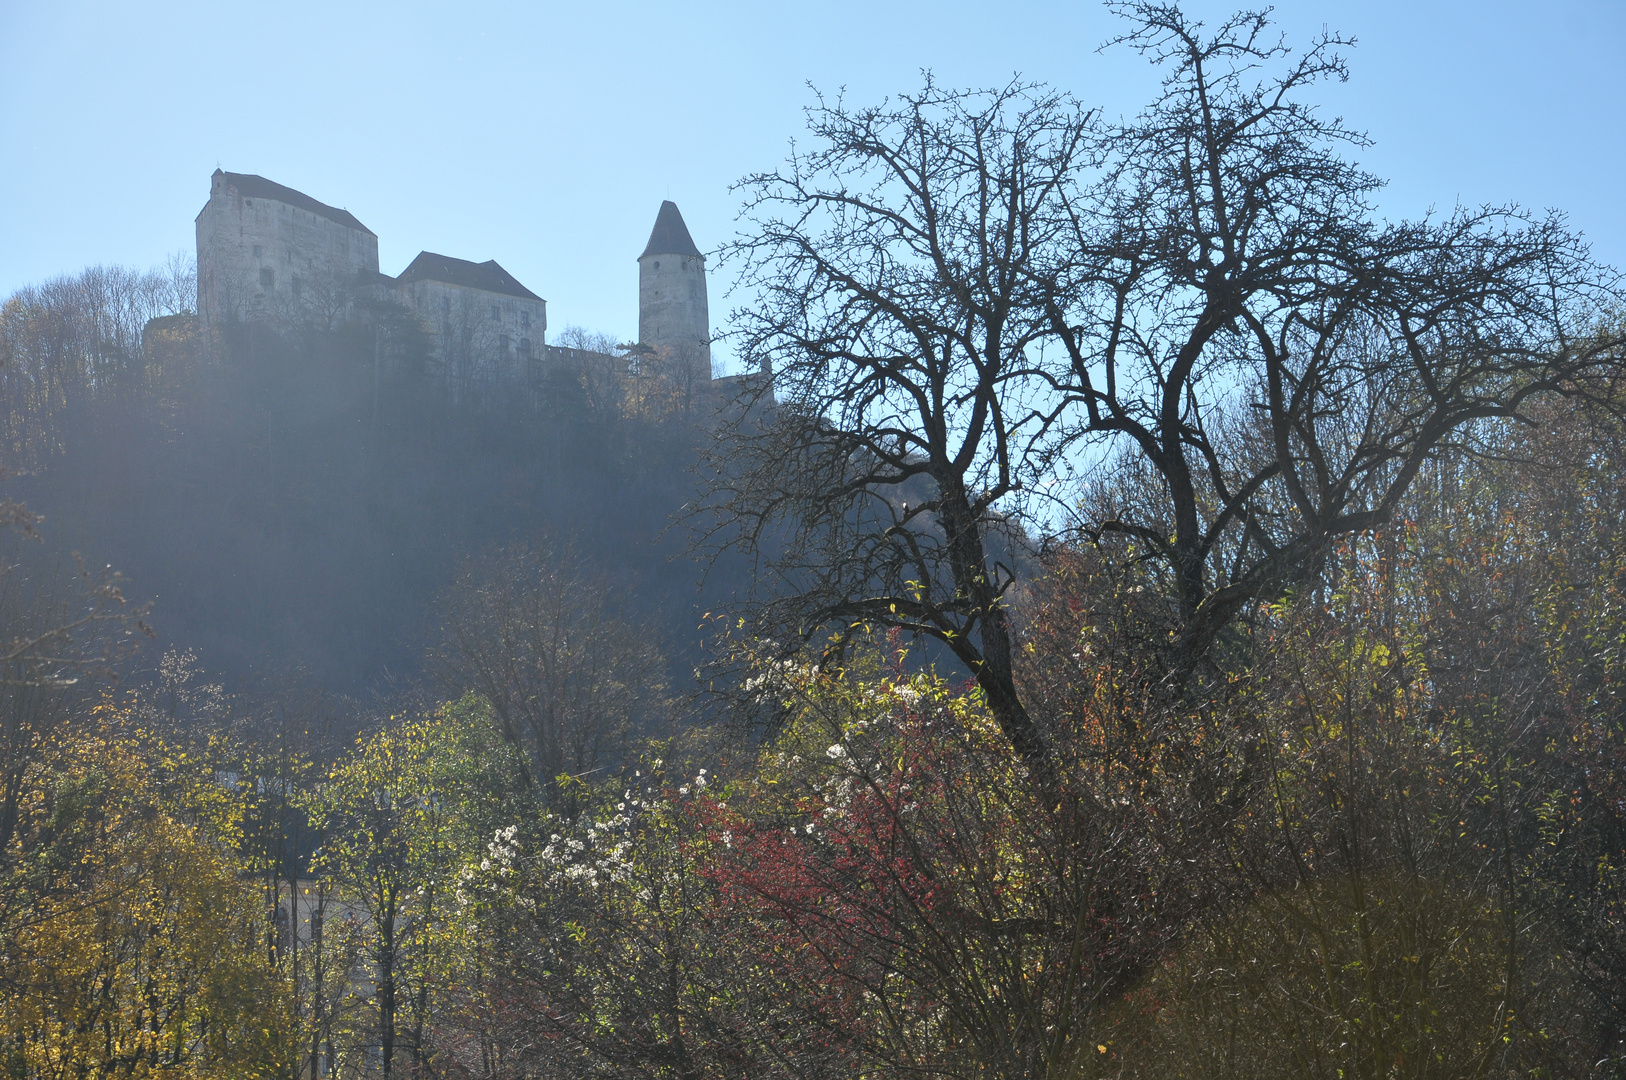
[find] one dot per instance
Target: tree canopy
(1186, 336)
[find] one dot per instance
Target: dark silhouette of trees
(540, 638)
(1270, 359)
(904, 270)
(980, 305)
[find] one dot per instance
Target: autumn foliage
(1188, 641)
(131, 947)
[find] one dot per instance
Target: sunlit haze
(1101, 568)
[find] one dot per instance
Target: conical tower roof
(670, 236)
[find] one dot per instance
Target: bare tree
(73, 338)
(177, 283)
(317, 303)
(975, 303)
(904, 269)
(60, 631)
(475, 365)
(531, 631)
(602, 368)
(1274, 362)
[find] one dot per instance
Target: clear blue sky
(545, 135)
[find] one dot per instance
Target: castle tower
(672, 315)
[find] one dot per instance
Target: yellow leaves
(133, 943)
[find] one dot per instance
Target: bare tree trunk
(386, 994)
(993, 665)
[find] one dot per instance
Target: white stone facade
(265, 250)
(480, 336)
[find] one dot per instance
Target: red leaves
(909, 877)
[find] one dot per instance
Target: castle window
(525, 346)
(525, 319)
(268, 277)
(657, 264)
(496, 311)
(502, 342)
(446, 303)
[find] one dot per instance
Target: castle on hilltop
(267, 252)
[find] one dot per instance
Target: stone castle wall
(258, 257)
(479, 335)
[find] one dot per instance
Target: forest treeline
(1183, 638)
